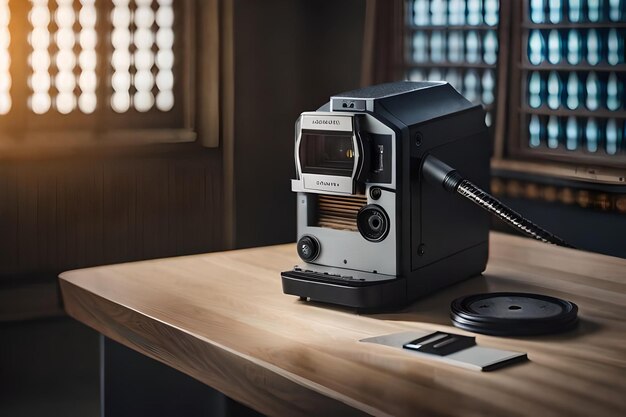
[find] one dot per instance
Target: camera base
(367, 291)
(315, 286)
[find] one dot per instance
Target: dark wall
(290, 56)
(136, 385)
(68, 213)
(92, 209)
(49, 368)
(587, 229)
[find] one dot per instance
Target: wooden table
(222, 319)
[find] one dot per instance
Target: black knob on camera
(373, 223)
(308, 248)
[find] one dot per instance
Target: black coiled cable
(451, 180)
(473, 193)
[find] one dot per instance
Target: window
(571, 67)
(456, 41)
(100, 68)
(557, 66)
(152, 60)
(5, 58)
(73, 62)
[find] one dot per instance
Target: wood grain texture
(61, 214)
(124, 205)
(222, 318)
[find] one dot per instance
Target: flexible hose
(451, 180)
(483, 199)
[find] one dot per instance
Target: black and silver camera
(372, 232)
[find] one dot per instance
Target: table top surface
(222, 318)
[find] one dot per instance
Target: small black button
(375, 193)
(308, 248)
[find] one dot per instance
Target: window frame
(509, 153)
(499, 112)
(21, 129)
(516, 147)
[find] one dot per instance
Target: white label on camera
(341, 123)
(327, 183)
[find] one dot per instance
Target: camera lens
(308, 248)
(373, 223)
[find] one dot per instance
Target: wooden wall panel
(188, 190)
(152, 202)
(119, 192)
(78, 222)
(46, 253)
(71, 213)
(27, 236)
(8, 217)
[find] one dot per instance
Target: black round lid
(513, 314)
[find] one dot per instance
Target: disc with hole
(513, 314)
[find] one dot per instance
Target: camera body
(371, 233)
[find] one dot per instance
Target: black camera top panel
(389, 89)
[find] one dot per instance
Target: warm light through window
(121, 60)
(143, 78)
(65, 60)
(5, 59)
(143, 56)
(87, 80)
(39, 39)
(67, 54)
(165, 55)
(65, 47)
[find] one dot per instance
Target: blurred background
(138, 129)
